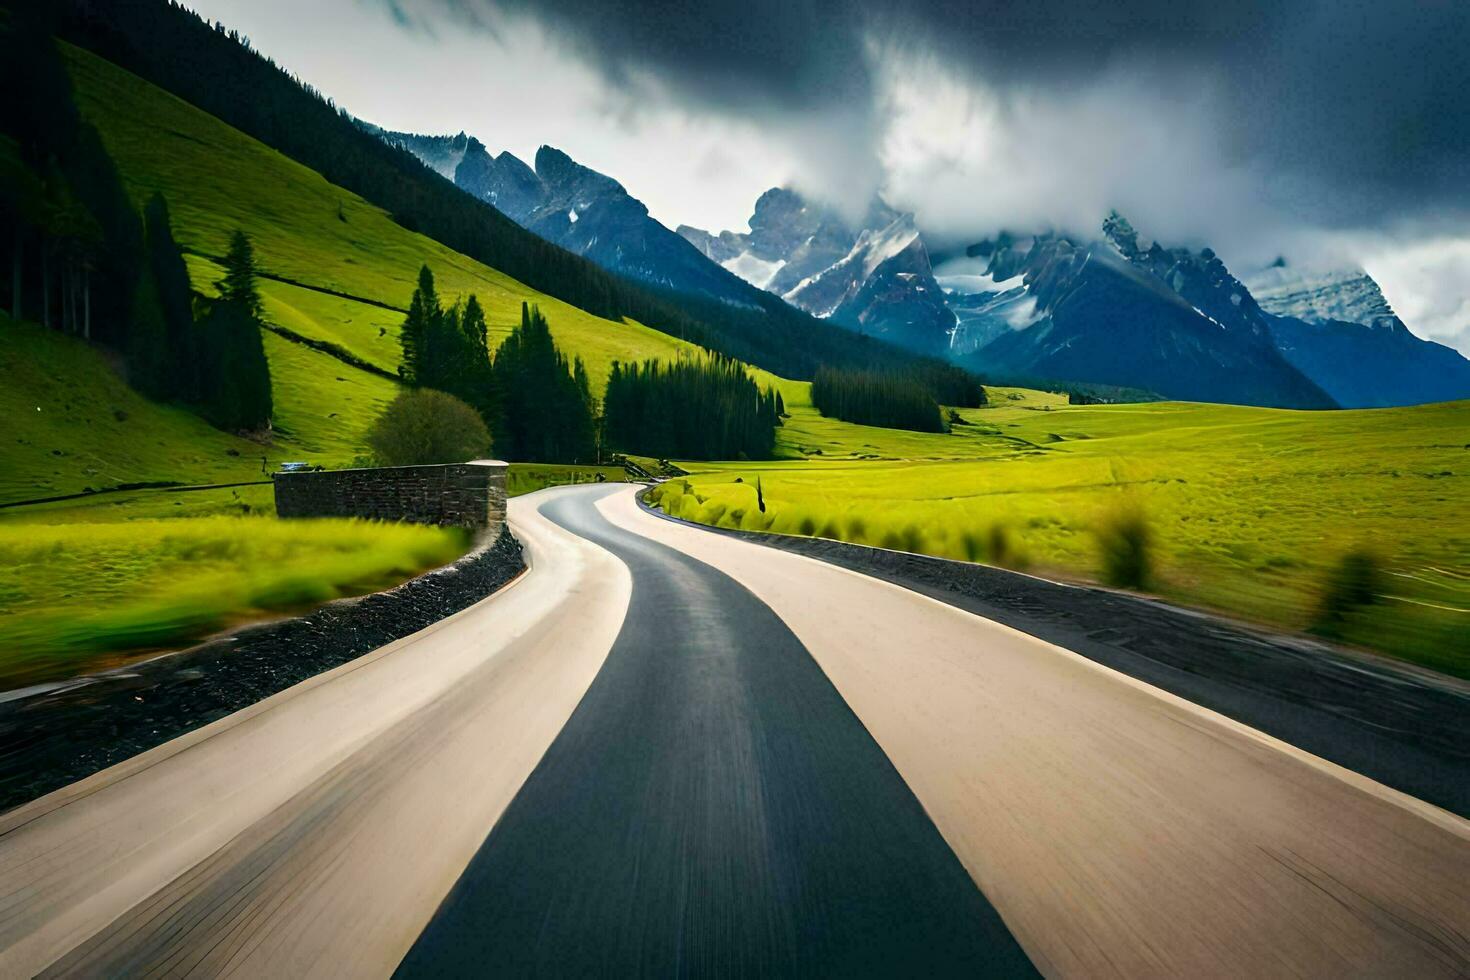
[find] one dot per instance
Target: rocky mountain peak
(564, 177)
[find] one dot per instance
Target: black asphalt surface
(712, 808)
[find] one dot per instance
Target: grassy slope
(75, 424)
(305, 229)
(1249, 507)
(85, 582)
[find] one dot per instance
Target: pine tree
(543, 403)
(176, 303)
(473, 325)
(238, 285)
(238, 395)
(147, 353)
(234, 376)
(423, 311)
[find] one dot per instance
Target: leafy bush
(1124, 540)
(998, 545)
(1354, 582)
(973, 546)
(424, 426)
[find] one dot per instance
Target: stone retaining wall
(461, 494)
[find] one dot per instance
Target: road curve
(316, 832)
(712, 808)
(1119, 830)
(663, 750)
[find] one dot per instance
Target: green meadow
(311, 232)
(88, 595)
(1248, 509)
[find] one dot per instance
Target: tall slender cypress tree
(238, 285)
(175, 300)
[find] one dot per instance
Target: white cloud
(516, 89)
(1428, 284)
(968, 157)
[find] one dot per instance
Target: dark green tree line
(446, 349)
(882, 398)
(542, 403)
(695, 408)
(83, 261)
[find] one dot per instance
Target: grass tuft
(1124, 542)
(1354, 583)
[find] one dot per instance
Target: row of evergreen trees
(83, 261)
(885, 398)
(537, 404)
(446, 349)
(695, 408)
(216, 362)
(543, 403)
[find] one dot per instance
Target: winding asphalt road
(662, 751)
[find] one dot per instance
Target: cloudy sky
(1334, 131)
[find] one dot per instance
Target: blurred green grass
(78, 596)
(1247, 509)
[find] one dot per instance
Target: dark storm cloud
(1358, 113)
(785, 54)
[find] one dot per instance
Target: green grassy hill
(342, 270)
(74, 425)
(1249, 508)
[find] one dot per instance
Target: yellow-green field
(76, 596)
(525, 478)
(1248, 508)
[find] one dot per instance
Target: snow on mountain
(1112, 312)
(1343, 295)
(754, 270)
(875, 277)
